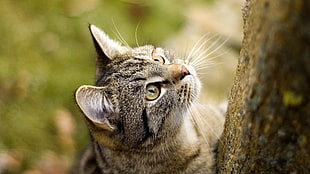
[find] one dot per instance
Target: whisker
(202, 73)
(216, 56)
(193, 121)
(197, 108)
(207, 49)
(192, 114)
(205, 64)
(217, 48)
(136, 34)
(194, 50)
(185, 54)
(205, 122)
(205, 42)
(119, 35)
(205, 59)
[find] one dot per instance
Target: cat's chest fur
(186, 153)
(144, 115)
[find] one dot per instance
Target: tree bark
(267, 127)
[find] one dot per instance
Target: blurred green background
(46, 53)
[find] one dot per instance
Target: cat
(144, 114)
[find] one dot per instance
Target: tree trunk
(267, 127)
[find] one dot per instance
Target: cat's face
(140, 97)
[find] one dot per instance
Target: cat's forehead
(151, 52)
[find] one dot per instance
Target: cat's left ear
(95, 106)
(105, 47)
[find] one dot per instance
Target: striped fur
(172, 133)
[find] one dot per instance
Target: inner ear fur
(95, 105)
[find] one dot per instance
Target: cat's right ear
(106, 48)
(95, 106)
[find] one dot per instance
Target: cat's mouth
(191, 82)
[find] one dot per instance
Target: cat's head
(140, 97)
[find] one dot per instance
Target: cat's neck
(180, 151)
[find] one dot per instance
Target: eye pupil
(159, 59)
(152, 92)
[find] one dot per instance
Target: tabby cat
(143, 113)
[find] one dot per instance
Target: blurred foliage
(45, 54)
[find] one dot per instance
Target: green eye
(152, 92)
(159, 59)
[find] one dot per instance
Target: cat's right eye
(159, 59)
(152, 92)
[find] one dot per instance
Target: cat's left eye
(159, 59)
(152, 92)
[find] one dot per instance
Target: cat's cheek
(198, 85)
(193, 79)
(194, 83)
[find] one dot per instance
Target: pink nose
(184, 71)
(178, 71)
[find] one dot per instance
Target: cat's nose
(178, 71)
(184, 71)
